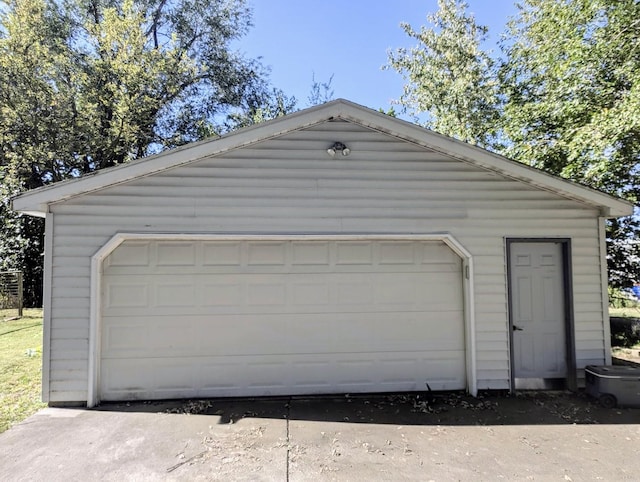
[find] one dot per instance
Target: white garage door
(249, 318)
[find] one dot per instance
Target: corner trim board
(46, 304)
(604, 276)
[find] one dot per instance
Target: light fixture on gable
(338, 147)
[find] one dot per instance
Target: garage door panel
(281, 334)
(178, 311)
(125, 379)
(243, 318)
(223, 293)
(121, 376)
(397, 252)
(127, 336)
(173, 336)
(129, 255)
(310, 253)
(354, 253)
(147, 257)
(221, 255)
(266, 253)
(175, 253)
(280, 293)
(127, 295)
(311, 294)
(174, 375)
(201, 268)
(290, 375)
(175, 294)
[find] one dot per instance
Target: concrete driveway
(544, 436)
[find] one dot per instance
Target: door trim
(571, 380)
(93, 395)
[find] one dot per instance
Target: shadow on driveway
(443, 408)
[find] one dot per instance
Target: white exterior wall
(289, 185)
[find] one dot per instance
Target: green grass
(20, 368)
(625, 312)
(8, 313)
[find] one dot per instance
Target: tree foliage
(119, 79)
(571, 77)
(265, 105)
(87, 84)
(21, 242)
(321, 92)
(448, 76)
(262, 107)
(569, 96)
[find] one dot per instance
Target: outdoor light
(338, 146)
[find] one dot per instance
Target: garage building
(333, 250)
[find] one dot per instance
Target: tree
(262, 107)
(30, 139)
(321, 92)
(568, 102)
(87, 84)
(21, 242)
(571, 79)
(265, 105)
(449, 77)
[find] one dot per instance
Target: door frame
(93, 395)
(569, 322)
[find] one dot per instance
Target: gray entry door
(538, 310)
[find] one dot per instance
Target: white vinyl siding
(289, 185)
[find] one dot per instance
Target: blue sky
(346, 38)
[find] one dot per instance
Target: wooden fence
(11, 295)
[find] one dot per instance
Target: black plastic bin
(614, 385)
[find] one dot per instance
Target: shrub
(625, 332)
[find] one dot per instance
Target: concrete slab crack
(288, 406)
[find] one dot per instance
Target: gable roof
(36, 202)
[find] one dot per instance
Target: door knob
(516, 328)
